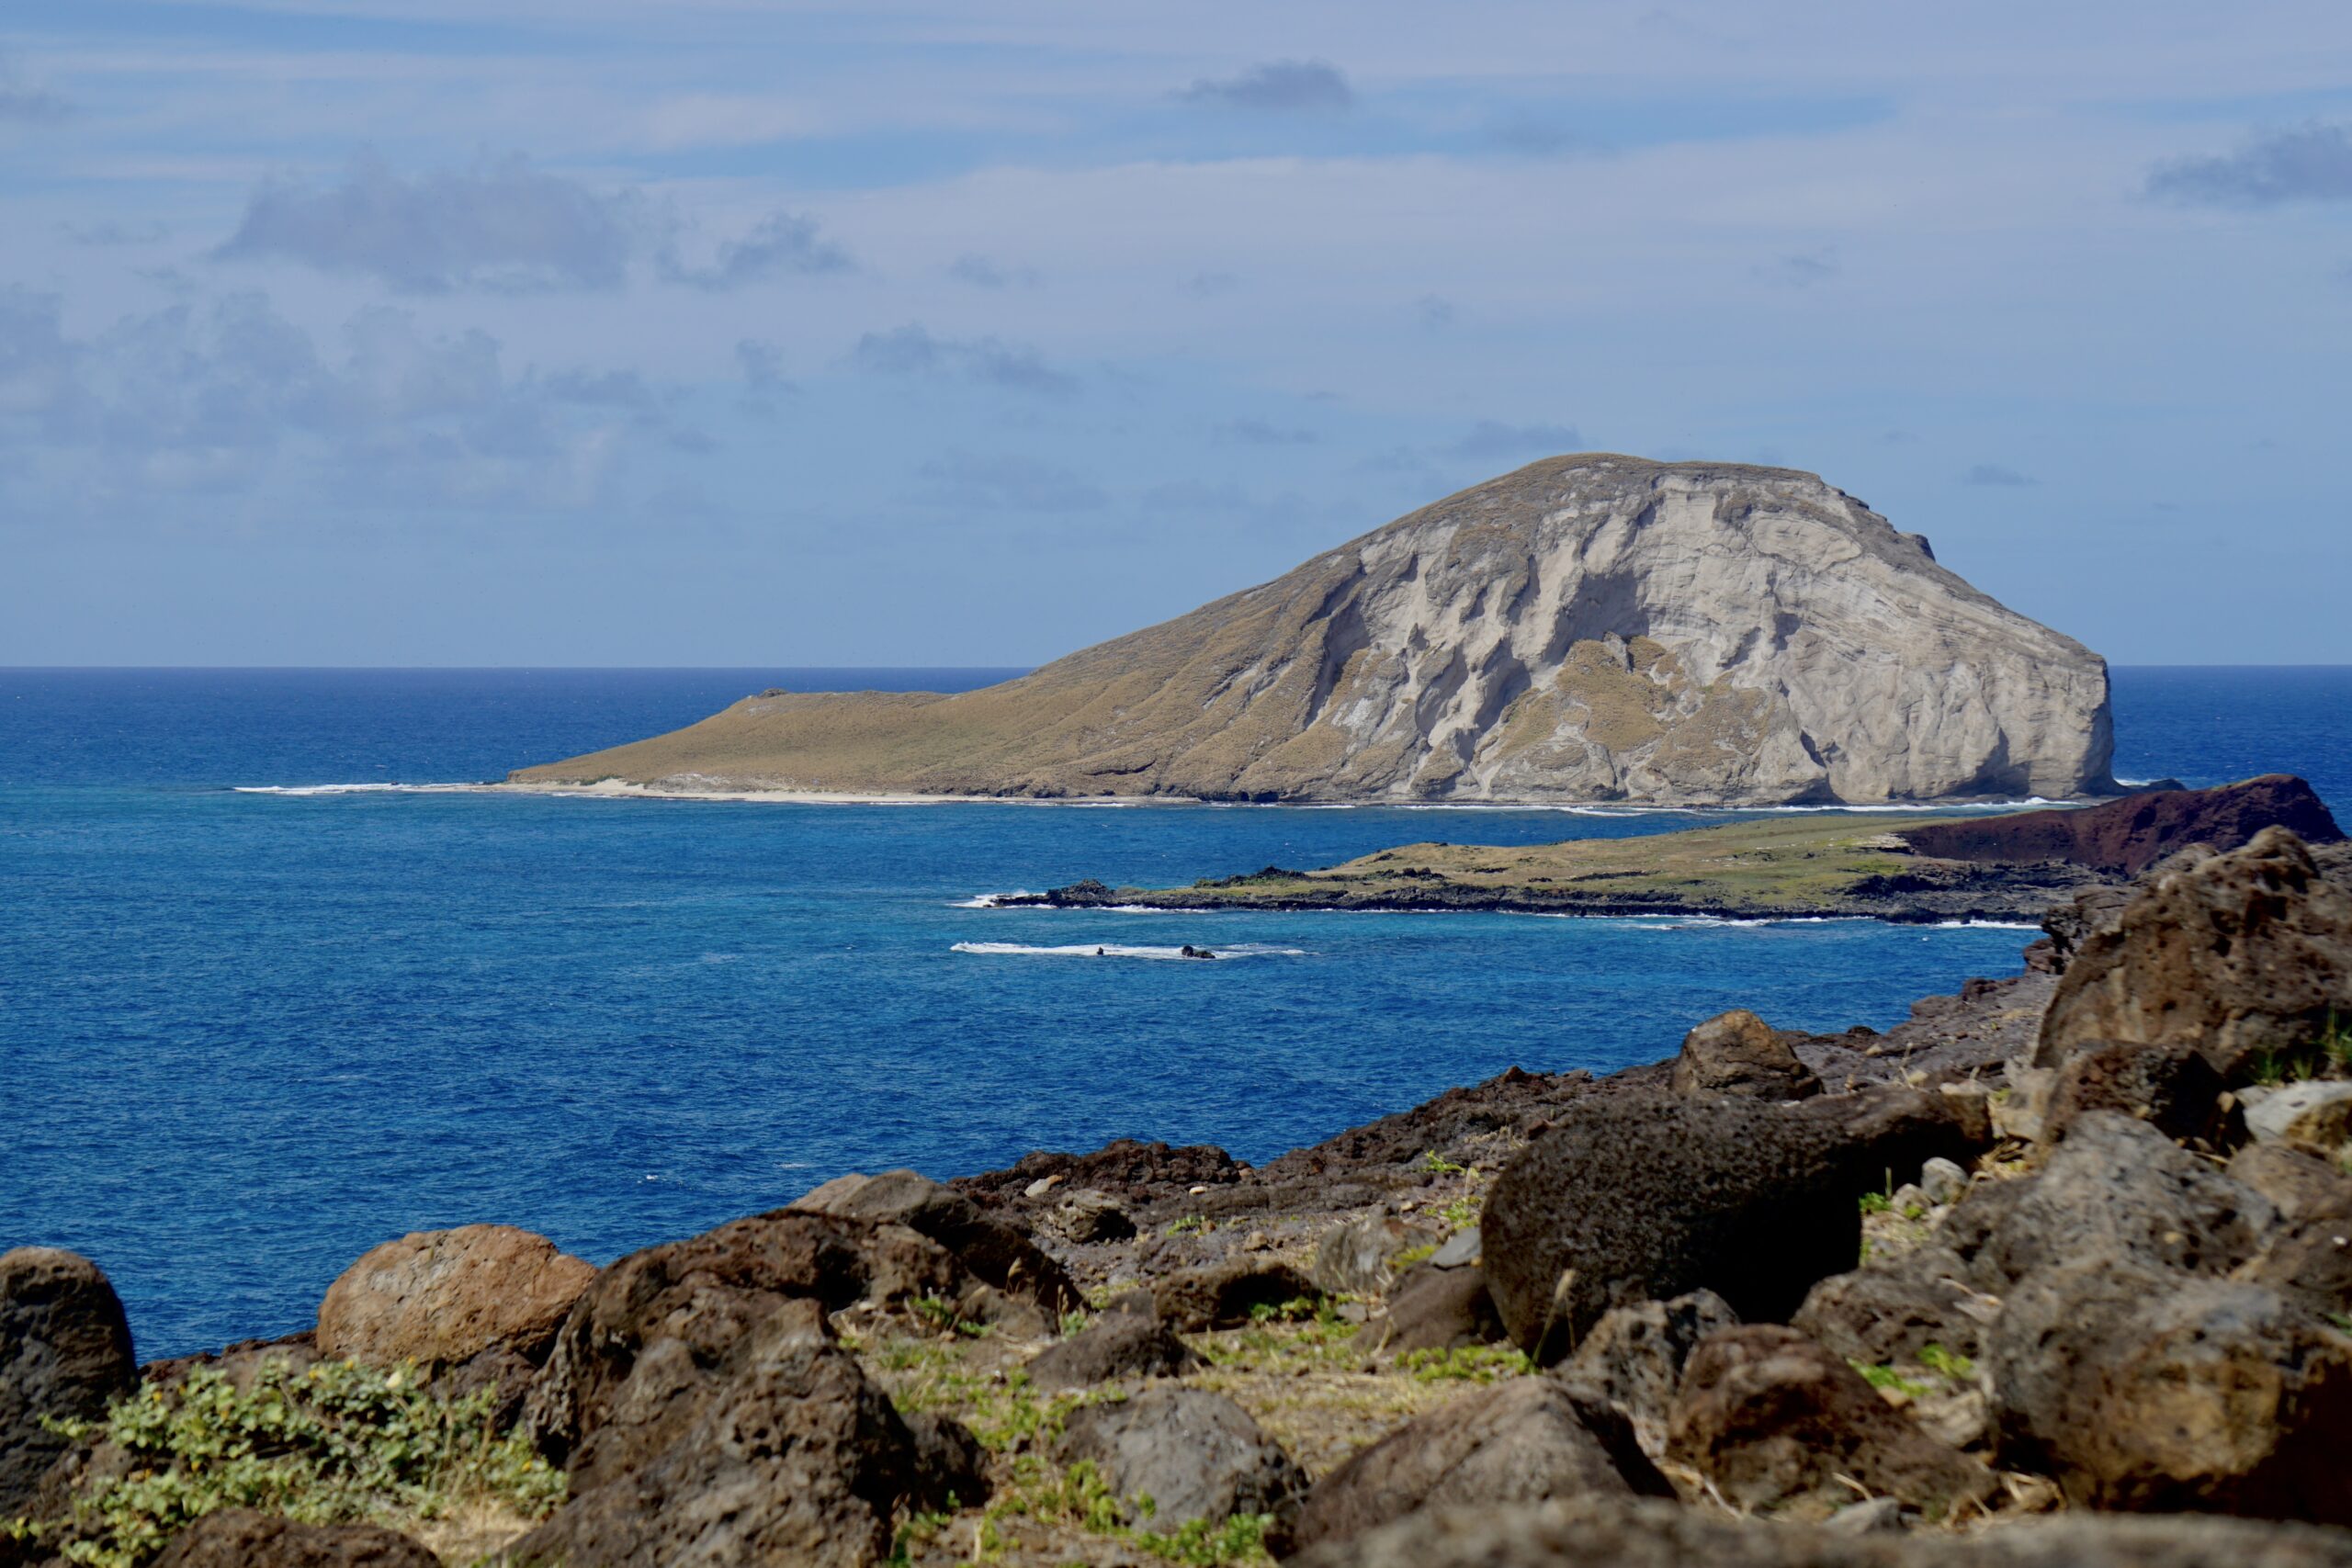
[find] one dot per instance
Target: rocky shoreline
(2063, 1251)
(2013, 866)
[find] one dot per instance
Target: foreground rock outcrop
(65, 1352)
(1590, 627)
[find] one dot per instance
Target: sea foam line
(355, 789)
(1118, 950)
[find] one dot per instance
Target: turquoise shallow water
(244, 1036)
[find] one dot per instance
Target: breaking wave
(1120, 950)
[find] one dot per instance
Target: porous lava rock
(794, 1457)
(651, 1337)
(241, 1538)
(2142, 1389)
(993, 1251)
(1893, 1308)
(1634, 1358)
(1641, 1196)
(1359, 1257)
(1523, 1440)
(1436, 1309)
(2171, 1087)
(1195, 1454)
(1117, 1345)
(65, 1352)
(438, 1298)
(1738, 1053)
(1774, 1420)
(1222, 1295)
(2242, 953)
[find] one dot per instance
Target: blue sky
(742, 332)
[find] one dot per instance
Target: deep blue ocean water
(245, 1036)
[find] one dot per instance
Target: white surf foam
(355, 789)
(1118, 950)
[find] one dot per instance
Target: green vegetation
(1886, 1378)
(1437, 1164)
(1466, 1363)
(1077, 1498)
(1319, 1341)
(1934, 1369)
(1876, 1204)
(336, 1443)
(1192, 1225)
(1947, 1364)
(1463, 1212)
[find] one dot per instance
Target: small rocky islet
(2058, 1271)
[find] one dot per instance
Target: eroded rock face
(1436, 1309)
(1520, 1441)
(1588, 627)
(1222, 1295)
(1196, 1455)
(992, 1250)
(438, 1298)
(2124, 837)
(240, 1538)
(1774, 1420)
(2147, 1393)
(1894, 1308)
(795, 1458)
(1359, 1257)
(2237, 955)
(64, 1351)
(1642, 1197)
(1635, 1356)
(1738, 1052)
(657, 1333)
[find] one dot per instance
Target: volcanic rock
(1639, 1197)
(1774, 1418)
(1738, 1052)
(64, 1351)
(991, 1249)
(1589, 627)
(1196, 1455)
(2124, 837)
(1523, 1440)
(1117, 1345)
(1891, 1309)
(1634, 1358)
(1436, 1309)
(1359, 1257)
(2316, 1116)
(240, 1538)
(1222, 1295)
(2172, 1087)
(438, 1298)
(2245, 952)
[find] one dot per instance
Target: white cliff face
(1610, 628)
(1589, 628)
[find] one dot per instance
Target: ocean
(260, 1010)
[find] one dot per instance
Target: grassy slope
(1777, 863)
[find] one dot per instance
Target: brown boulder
(65, 1352)
(240, 1538)
(1117, 1345)
(1436, 1309)
(440, 1298)
(2147, 1390)
(992, 1250)
(1774, 1420)
(2302, 1185)
(1634, 1358)
(1197, 1455)
(1644, 1197)
(1891, 1309)
(1523, 1440)
(650, 1338)
(1738, 1053)
(2172, 1087)
(1359, 1257)
(2242, 953)
(794, 1457)
(1224, 1295)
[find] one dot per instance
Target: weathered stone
(2171, 1087)
(2246, 953)
(2309, 1261)
(64, 1351)
(1222, 1295)
(1890, 1309)
(1436, 1309)
(2302, 1185)
(1196, 1455)
(1774, 1420)
(1607, 1533)
(1943, 1180)
(1359, 1257)
(1635, 1356)
(2316, 1116)
(649, 1340)
(438, 1298)
(2146, 1391)
(993, 1251)
(1641, 1197)
(794, 1457)
(240, 1538)
(1117, 1345)
(1088, 1217)
(1523, 1440)
(2126, 837)
(2115, 1186)
(1738, 1052)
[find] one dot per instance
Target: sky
(762, 333)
